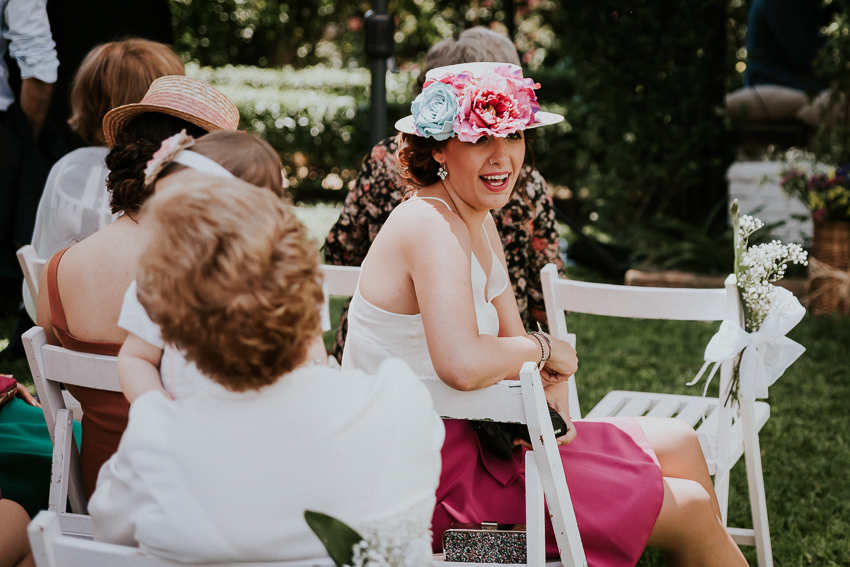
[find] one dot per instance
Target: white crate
(756, 186)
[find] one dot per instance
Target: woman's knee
(669, 435)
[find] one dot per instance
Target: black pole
(510, 13)
(380, 29)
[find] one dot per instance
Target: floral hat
(471, 100)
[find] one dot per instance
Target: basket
(831, 246)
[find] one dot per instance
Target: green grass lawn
(805, 444)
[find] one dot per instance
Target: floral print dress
(526, 225)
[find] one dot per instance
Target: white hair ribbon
(201, 163)
(767, 352)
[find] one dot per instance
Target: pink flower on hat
(497, 104)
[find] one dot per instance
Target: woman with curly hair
(83, 285)
(232, 279)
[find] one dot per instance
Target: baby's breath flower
(403, 543)
(760, 267)
(748, 226)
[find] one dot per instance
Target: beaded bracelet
(542, 335)
(546, 338)
(543, 357)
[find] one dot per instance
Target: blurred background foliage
(641, 83)
(832, 142)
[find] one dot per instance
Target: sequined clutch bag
(487, 542)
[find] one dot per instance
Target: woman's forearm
(483, 362)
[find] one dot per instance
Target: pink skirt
(613, 476)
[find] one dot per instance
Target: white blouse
(73, 206)
(225, 476)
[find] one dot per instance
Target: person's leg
(688, 531)
(14, 544)
(676, 445)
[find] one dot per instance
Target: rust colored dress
(104, 413)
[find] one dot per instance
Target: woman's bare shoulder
(430, 220)
(113, 247)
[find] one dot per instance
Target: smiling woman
(434, 291)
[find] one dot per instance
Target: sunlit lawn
(805, 444)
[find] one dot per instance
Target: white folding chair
(53, 548)
(724, 434)
(52, 366)
(511, 402)
(31, 266)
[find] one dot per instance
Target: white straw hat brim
(407, 126)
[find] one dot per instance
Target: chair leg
(550, 468)
(42, 532)
(65, 479)
(535, 518)
(721, 489)
(755, 484)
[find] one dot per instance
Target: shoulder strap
(487, 238)
(57, 312)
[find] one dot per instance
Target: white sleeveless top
(375, 334)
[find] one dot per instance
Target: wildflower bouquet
(824, 189)
(763, 351)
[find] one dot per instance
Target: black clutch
(498, 438)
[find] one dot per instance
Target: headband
(201, 163)
(176, 149)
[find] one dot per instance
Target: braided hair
(134, 145)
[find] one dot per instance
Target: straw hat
(458, 76)
(180, 96)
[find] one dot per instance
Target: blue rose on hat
(434, 111)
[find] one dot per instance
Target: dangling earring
(443, 171)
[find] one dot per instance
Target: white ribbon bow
(767, 352)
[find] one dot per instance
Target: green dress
(26, 455)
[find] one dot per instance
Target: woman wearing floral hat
(434, 291)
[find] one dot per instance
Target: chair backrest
(51, 548)
(31, 266)
(340, 281)
(563, 296)
(52, 366)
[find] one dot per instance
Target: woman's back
(92, 277)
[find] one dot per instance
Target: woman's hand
(558, 398)
(562, 362)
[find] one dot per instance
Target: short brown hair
(114, 74)
(248, 157)
(232, 279)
